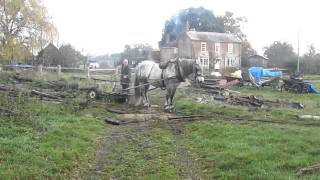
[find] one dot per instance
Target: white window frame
(203, 47)
(229, 62)
(230, 48)
(217, 48)
(204, 61)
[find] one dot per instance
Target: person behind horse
(125, 75)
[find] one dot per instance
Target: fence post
(88, 72)
(59, 70)
(40, 70)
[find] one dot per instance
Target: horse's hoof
(167, 109)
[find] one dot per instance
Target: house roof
(213, 36)
(258, 56)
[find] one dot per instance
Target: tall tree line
(25, 27)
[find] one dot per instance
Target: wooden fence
(88, 72)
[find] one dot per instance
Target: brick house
(215, 51)
(168, 50)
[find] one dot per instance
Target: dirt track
(139, 133)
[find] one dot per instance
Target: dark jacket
(125, 74)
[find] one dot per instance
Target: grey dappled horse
(168, 77)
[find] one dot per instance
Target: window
(230, 48)
(203, 47)
(217, 48)
(229, 62)
(204, 61)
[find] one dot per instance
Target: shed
(258, 61)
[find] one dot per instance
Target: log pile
(254, 101)
(214, 88)
(14, 92)
(121, 119)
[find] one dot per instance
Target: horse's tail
(137, 90)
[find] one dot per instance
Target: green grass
(233, 151)
(55, 144)
(228, 149)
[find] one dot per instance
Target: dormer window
(230, 48)
(203, 47)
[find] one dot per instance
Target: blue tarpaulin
(312, 88)
(259, 72)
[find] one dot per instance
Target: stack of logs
(220, 92)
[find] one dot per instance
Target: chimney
(167, 38)
(186, 26)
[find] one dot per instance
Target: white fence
(58, 69)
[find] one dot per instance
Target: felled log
(117, 111)
(58, 85)
(22, 78)
(308, 170)
(185, 117)
(110, 120)
(41, 94)
(205, 86)
(140, 118)
(311, 117)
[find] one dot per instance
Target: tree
(246, 52)
(24, 28)
(199, 19)
(71, 57)
(233, 25)
(310, 61)
(136, 53)
(281, 55)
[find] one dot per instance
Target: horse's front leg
(146, 102)
(172, 93)
(169, 97)
(167, 101)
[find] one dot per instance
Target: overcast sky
(102, 26)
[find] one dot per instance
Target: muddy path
(123, 141)
(188, 168)
(115, 135)
(119, 139)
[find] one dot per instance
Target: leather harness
(178, 74)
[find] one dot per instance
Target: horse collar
(179, 73)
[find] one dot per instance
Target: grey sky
(102, 26)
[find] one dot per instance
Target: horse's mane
(187, 66)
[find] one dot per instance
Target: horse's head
(189, 67)
(197, 72)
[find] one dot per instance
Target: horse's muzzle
(200, 79)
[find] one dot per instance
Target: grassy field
(222, 146)
(64, 141)
(44, 140)
(55, 142)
